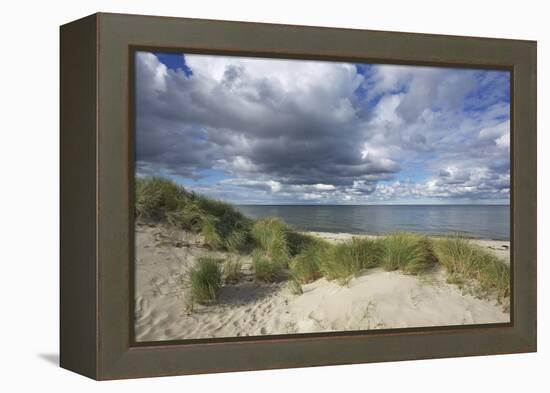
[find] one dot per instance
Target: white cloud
(299, 130)
(504, 141)
(311, 196)
(494, 132)
(324, 187)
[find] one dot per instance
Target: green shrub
(463, 259)
(271, 236)
(408, 252)
(205, 280)
(265, 269)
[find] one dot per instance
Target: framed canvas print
(240, 196)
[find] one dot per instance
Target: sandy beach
(375, 300)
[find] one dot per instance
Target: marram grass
(156, 197)
(407, 252)
(305, 266)
(205, 279)
(271, 236)
(265, 269)
(466, 261)
(295, 287)
(345, 261)
(161, 200)
(232, 270)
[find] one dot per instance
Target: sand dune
(375, 300)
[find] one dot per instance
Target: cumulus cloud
(284, 131)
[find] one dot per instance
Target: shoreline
(378, 235)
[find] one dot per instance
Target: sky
(275, 131)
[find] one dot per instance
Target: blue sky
(274, 131)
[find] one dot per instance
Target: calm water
(481, 221)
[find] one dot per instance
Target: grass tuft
(345, 261)
(232, 270)
(265, 269)
(306, 266)
(407, 252)
(466, 261)
(205, 280)
(271, 236)
(295, 287)
(156, 197)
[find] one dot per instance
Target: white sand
(375, 300)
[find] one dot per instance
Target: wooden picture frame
(97, 169)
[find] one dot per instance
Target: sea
(477, 221)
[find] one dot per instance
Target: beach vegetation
(271, 236)
(305, 267)
(156, 197)
(232, 270)
(298, 241)
(295, 287)
(266, 269)
(465, 261)
(160, 200)
(345, 261)
(205, 279)
(410, 253)
(228, 232)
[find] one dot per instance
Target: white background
(29, 184)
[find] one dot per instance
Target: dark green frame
(97, 170)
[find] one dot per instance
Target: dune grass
(266, 269)
(305, 267)
(232, 270)
(345, 261)
(466, 261)
(295, 287)
(160, 200)
(224, 227)
(271, 236)
(225, 233)
(205, 279)
(156, 197)
(410, 253)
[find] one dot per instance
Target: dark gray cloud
(281, 130)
